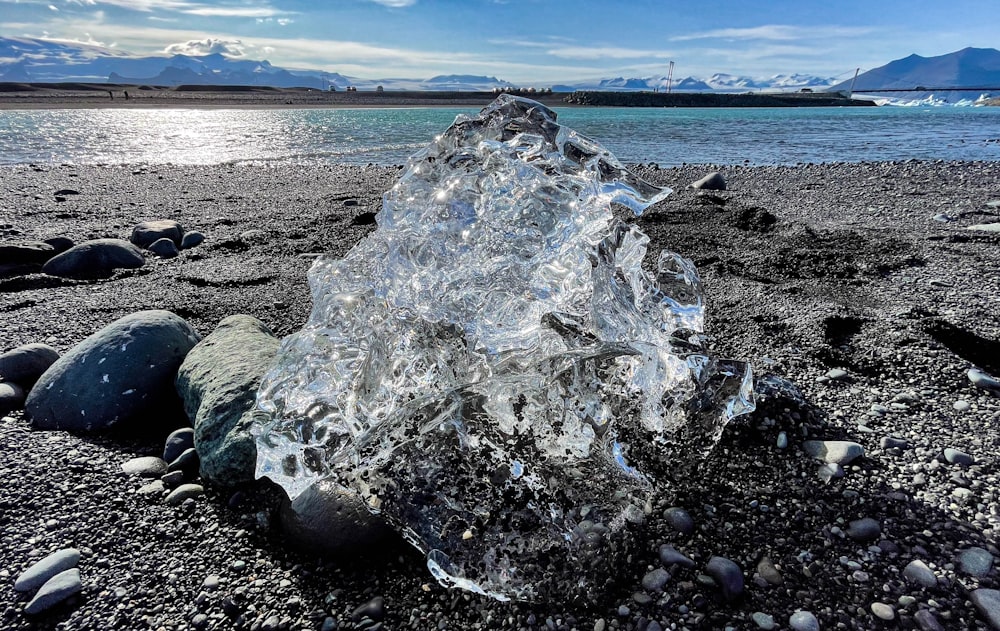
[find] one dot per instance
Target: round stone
(883, 611)
(803, 621)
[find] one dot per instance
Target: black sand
(805, 269)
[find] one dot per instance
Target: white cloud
(606, 52)
(232, 12)
(208, 46)
(396, 4)
(778, 32)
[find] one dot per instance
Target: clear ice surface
(492, 370)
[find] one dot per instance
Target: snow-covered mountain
(42, 60)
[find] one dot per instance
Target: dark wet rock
(148, 232)
(25, 364)
(218, 382)
(187, 463)
(727, 575)
(192, 239)
(11, 398)
(326, 518)
(927, 621)
(670, 556)
(373, 609)
(164, 248)
(714, 181)
(26, 253)
(59, 244)
(41, 571)
(123, 373)
(679, 519)
(94, 259)
(864, 530)
(54, 591)
(177, 442)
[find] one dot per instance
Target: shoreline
(806, 269)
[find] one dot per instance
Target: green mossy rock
(218, 382)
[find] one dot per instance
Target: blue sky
(524, 41)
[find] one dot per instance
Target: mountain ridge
(25, 60)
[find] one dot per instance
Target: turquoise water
(387, 136)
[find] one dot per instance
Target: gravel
(841, 280)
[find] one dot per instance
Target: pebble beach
(863, 493)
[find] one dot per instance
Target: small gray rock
(11, 398)
(177, 442)
(145, 467)
(803, 621)
(122, 373)
(679, 519)
(25, 364)
(837, 374)
(987, 601)
(769, 572)
(183, 492)
(54, 591)
(926, 620)
(714, 181)
(834, 451)
(164, 248)
(94, 259)
(763, 621)
(727, 575)
(654, 580)
(975, 562)
(41, 571)
(864, 530)
(148, 232)
(670, 556)
(917, 572)
(883, 611)
(954, 456)
(192, 239)
(891, 442)
(984, 381)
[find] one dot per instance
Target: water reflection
(389, 136)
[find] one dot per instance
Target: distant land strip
(92, 95)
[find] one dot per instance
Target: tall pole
(850, 92)
(670, 77)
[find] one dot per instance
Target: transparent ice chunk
(492, 370)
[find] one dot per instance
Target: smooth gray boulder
(122, 374)
(148, 232)
(25, 364)
(41, 571)
(218, 382)
(192, 239)
(327, 519)
(98, 258)
(26, 253)
(164, 248)
(179, 441)
(54, 591)
(987, 601)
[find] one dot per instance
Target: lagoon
(387, 136)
